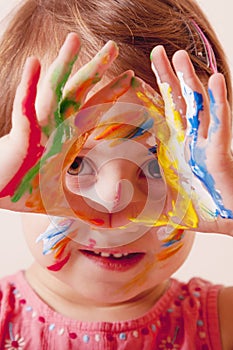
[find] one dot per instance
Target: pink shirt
(185, 318)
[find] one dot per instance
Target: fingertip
(108, 52)
(180, 59)
(32, 61)
(217, 87)
(126, 77)
(180, 54)
(72, 36)
(73, 42)
(112, 44)
(31, 68)
(157, 50)
(130, 73)
(217, 78)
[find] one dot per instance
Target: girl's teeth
(107, 255)
(118, 255)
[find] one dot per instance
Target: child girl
(125, 169)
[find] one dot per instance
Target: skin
(70, 290)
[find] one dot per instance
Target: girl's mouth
(114, 261)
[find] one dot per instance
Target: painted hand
(196, 155)
(38, 110)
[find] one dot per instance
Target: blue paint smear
(53, 235)
(199, 167)
(171, 242)
(153, 149)
(145, 126)
(213, 110)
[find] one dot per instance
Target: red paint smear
(175, 235)
(97, 222)
(35, 150)
(59, 265)
(92, 243)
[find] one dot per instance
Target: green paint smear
(151, 55)
(134, 83)
(59, 89)
(25, 184)
(56, 148)
(58, 117)
(96, 78)
(118, 82)
(66, 104)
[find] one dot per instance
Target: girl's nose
(115, 186)
(117, 197)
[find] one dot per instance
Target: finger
(25, 134)
(220, 130)
(169, 87)
(24, 118)
(79, 85)
(50, 90)
(112, 91)
(194, 94)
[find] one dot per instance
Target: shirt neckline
(52, 315)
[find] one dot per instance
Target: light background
(211, 256)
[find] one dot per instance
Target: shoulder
(7, 287)
(216, 302)
(8, 282)
(8, 295)
(225, 306)
(200, 313)
(200, 289)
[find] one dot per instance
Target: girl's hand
(200, 163)
(38, 110)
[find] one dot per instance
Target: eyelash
(157, 172)
(81, 163)
(78, 165)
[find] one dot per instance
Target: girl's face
(114, 182)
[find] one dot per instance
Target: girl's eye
(151, 169)
(81, 166)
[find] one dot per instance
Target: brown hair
(40, 26)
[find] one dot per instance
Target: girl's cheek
(47, 246)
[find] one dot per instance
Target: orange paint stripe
(168, 252)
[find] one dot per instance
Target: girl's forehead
(108, 137)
